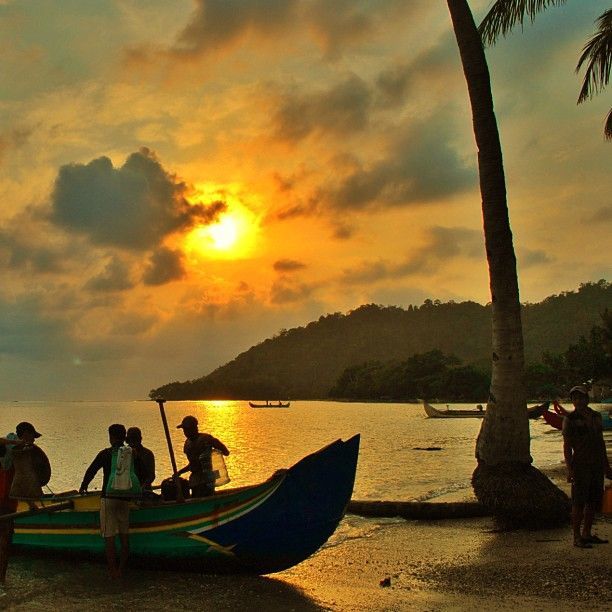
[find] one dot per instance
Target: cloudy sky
(181, 180)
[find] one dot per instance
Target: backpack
(123, 480)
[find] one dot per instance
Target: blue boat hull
(259, 529)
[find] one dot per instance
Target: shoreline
(374, 564)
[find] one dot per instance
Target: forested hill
(305, 362)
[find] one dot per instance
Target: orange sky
(182, 180)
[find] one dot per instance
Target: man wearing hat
(32, 467)
(198, 449)
(587, 462)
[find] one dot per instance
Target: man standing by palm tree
(586, 459)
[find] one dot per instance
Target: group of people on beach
(128, 471)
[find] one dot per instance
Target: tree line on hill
(444, 346)
(434, 375)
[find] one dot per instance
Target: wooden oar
(65, 505)
(177, 483)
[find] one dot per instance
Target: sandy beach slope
(444, 565)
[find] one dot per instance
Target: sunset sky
(181, 180)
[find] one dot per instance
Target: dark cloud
(288, 265)
(13, 139)
(220, 24)
(165, 266)
(26, 331)
(217, 24)
(133, 207)
(528, 257)
(285, 290)
(116, 277)
(601, 215)
(21, 253)
(343, 231)
(436, 66)
(342, 109)
(339, 23)
(421, 166)
(443, 244)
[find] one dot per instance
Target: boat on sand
(262, 528)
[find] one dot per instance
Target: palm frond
(597, 54)
(505, 14)
(608, 126)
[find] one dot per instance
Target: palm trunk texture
(504, 471)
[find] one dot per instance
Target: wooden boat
(434, 413)
(534, 412)
(260, 529)
(268, 404)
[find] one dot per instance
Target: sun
(224, 233)
(231, 236)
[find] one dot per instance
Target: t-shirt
(198, 451)
(103, 461)
(583, 431)
(145, 466)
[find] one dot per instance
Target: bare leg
(589, 516)
(6, 536)
(111, 557)
(577, 514)
(125, 551)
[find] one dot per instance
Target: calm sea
(391, 466)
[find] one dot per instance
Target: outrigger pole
(177, 483)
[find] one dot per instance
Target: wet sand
(444, 565)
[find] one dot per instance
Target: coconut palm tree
(596, 54)
(504, 480)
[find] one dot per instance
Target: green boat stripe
(203, 522)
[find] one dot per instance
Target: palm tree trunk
(504, 480)
(505, 430)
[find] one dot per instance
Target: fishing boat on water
(434, 413)
(268, 404)
(533, 413)
(262, 528)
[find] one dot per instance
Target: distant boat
(269, 404)
(533, 412)
(434, 413)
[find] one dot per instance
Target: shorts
(114, 516)
(588, 487)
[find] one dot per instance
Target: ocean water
(261, 440)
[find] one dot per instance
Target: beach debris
(428, 448)
(385, 582)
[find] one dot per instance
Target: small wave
(353, 527)
(452, 487)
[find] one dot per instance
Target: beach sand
(460, 564)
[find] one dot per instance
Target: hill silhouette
(306, 362)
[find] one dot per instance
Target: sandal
(581, 543)
(593, 539)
